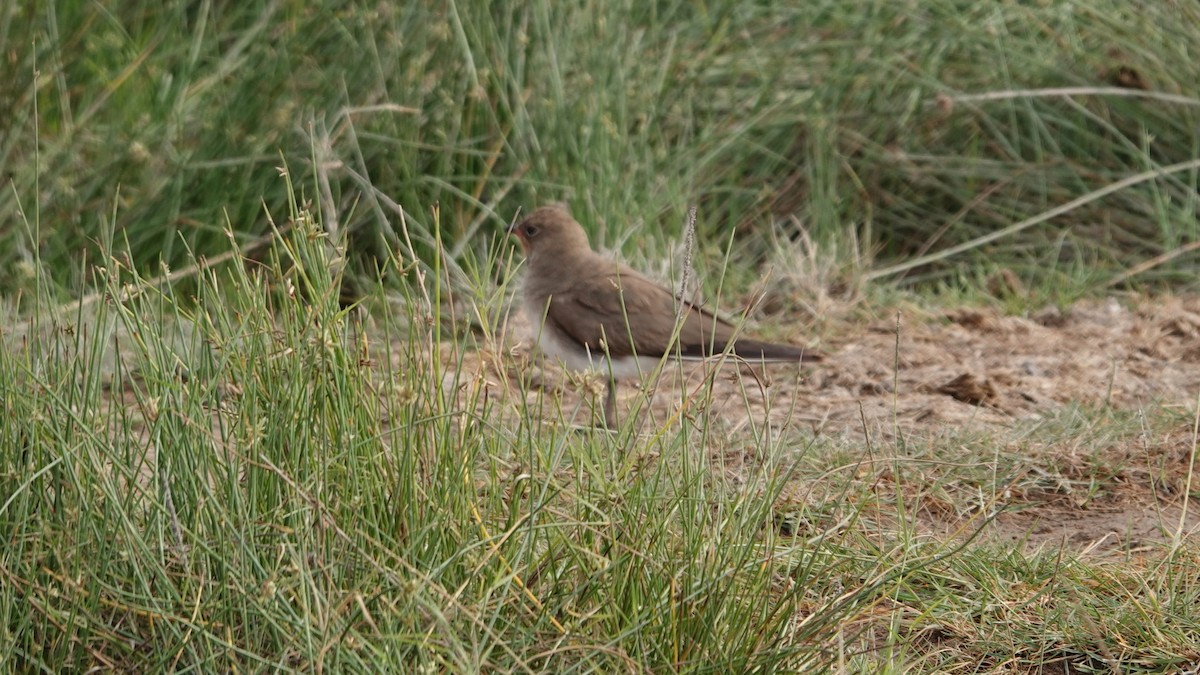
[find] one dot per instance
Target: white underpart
(575, 356)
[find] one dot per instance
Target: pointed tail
(754, 350)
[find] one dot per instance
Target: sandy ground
(920, 377)
(920, 386)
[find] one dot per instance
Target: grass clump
(917, 134)
(252, 477)
(226, 456)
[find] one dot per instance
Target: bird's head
(550, 232)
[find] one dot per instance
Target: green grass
(218, 467)
(242, 480)
(888, 131)
(253, 477)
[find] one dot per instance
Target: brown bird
(596, 314)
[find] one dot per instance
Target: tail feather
(754, 350)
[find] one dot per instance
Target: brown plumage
(594, 313)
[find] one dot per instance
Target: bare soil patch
(928, 375)
(922, 378)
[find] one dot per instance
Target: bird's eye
(531, 231)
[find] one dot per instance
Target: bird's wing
(623, 313)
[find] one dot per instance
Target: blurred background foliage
(882, 131)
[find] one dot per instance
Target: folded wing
(622, 313)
